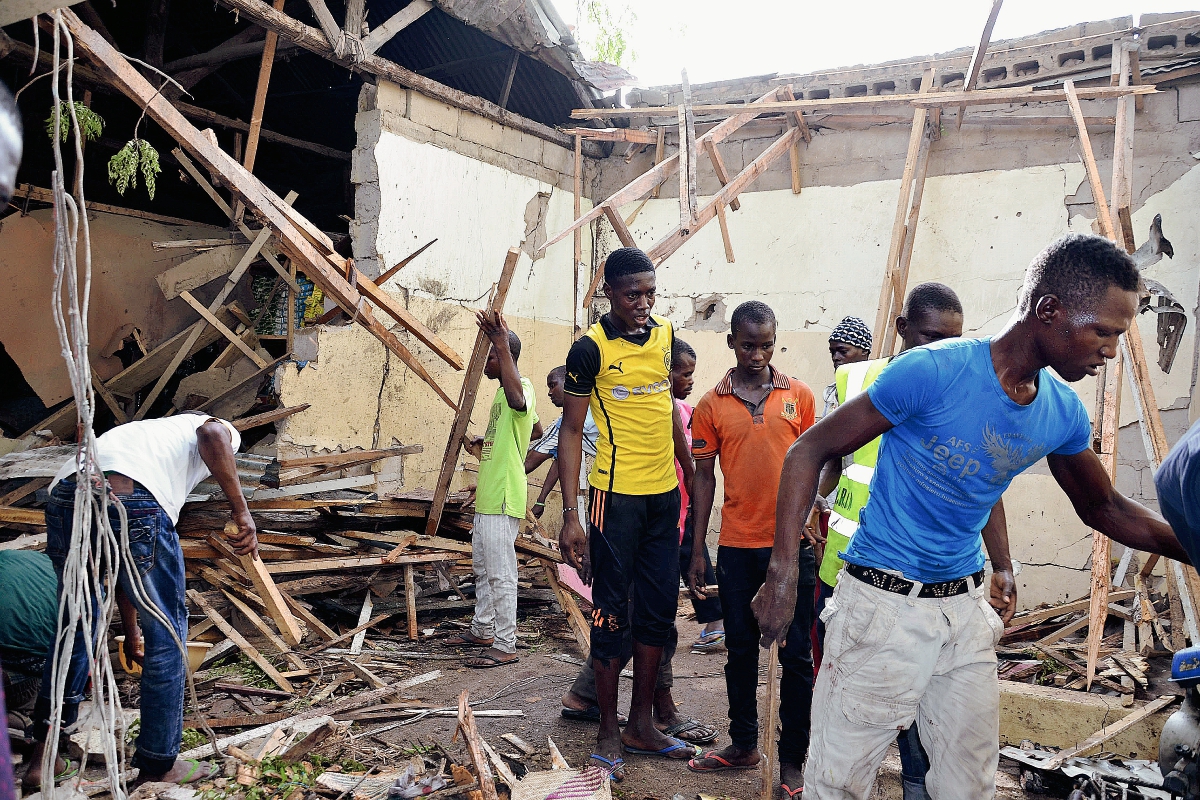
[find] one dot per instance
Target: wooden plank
(364, 674)
(766, 744)
(35, 541)
(350, 633)
(508, 79)
(360, 562)
(244, 185)
(466, 724)
(364, 614)
(336, 484)
(795, 119)
(233, 338)
(260, 97)
(891, 266)
(977, 58)
(23, 516)
(329, 26)
(23, 491)
(659, 146)
(351, 457)
(1065, 631)
(198, 270)
(1104, 734)
(1101, 578)
(619, 228)
(578, 623)
(656, 176)
(979, 97)
(40, 195)
(627, 135)
(267, 417)
(577, 234)
(466, 400)
(406, 16)
(234, 636)
(310, 619)
(1073, 96)
(687, 156)
(410, 601)
(718, 165)
(725, 233)
(1043, 614)
(265, 586)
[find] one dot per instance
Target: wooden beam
(977, 57)
(329, 26)
(466, 402)
(382, 279)
(891, 267)
(659, 146)
(900, 277)
(109, 400)
(268, 417)
(1089, 161)
(466, 724)
(577, 235)
(264, 585)
(213, 118)
(260, 102)
(687, 159)
(657, 175)
(234, 636)
(676, 239)
(725, 240)
(233, 338)
(627, 135)
(254, 619)
(575, 619)
(406, 16)
(508, 79)
(719, 168)
(40, 195)
(767, 735)
(980, 97)
(619, 228)
(364, 614)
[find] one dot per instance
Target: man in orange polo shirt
(749, 421)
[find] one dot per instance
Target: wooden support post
(687, 148)
(977, 58)
(406, 16)
(260, 102)
(108, 398)
(1089, 163)
(508, 79)
(466, 403)
(260, 624)
(619, 228)
(906, 250)
(766, 745)
(410, 602)
(725, 232)
(891, 268)
(659, 147)
(795, 119)
(578, 235)
(232, 634)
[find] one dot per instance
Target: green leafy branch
(91, 123)
(136, 156)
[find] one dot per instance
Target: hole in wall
(1026, 68)
(858, 90)
(1102, 53)
(883, 87)
(952, 78)
(1162, 42)
(995, 74)
(1071, 58)
(1191, 40)
(818, 94)
(915, 84)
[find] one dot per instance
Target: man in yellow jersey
(620, 369)
(932, 312)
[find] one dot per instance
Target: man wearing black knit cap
(849, 343)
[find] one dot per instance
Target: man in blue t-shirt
(909, 631)
(1177, 483)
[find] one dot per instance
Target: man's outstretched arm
(216, 451)
(572, 539)
(1103, 508)
(845, 430)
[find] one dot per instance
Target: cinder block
(433, 113)
(548, 176)
(363, 167)
(394, 123)
(390, 97)
(480, 130)
(522, 145)
(557, 158)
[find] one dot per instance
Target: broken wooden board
(234, 636)
(198, 270)
(281, 615)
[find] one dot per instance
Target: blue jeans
(740, 573)
(159, 561)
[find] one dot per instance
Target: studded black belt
(891, 583)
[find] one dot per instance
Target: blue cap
(1185, 666)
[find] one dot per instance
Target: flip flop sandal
(666, 751)
(485, 661)
(69, 771)
(590, 714)
(709, 641)
(463, 641)
(679, 729)
(722, 764)
(615, 769)
(791, 793)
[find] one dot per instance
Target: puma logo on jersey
(617, 367)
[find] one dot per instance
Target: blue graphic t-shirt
(959, 441)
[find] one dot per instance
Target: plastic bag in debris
(416, 784)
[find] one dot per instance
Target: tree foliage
(91, 123)
(610, 28)
(137, 155)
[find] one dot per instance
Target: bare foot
(668, 720)
(732, 757)
(180, 772)
(651, 738)
(791, 780)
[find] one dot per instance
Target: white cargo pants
(494, 561)
(890, 658)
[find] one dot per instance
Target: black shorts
(634, 541)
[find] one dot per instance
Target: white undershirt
(161, 454)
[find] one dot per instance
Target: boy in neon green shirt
(500, 499)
